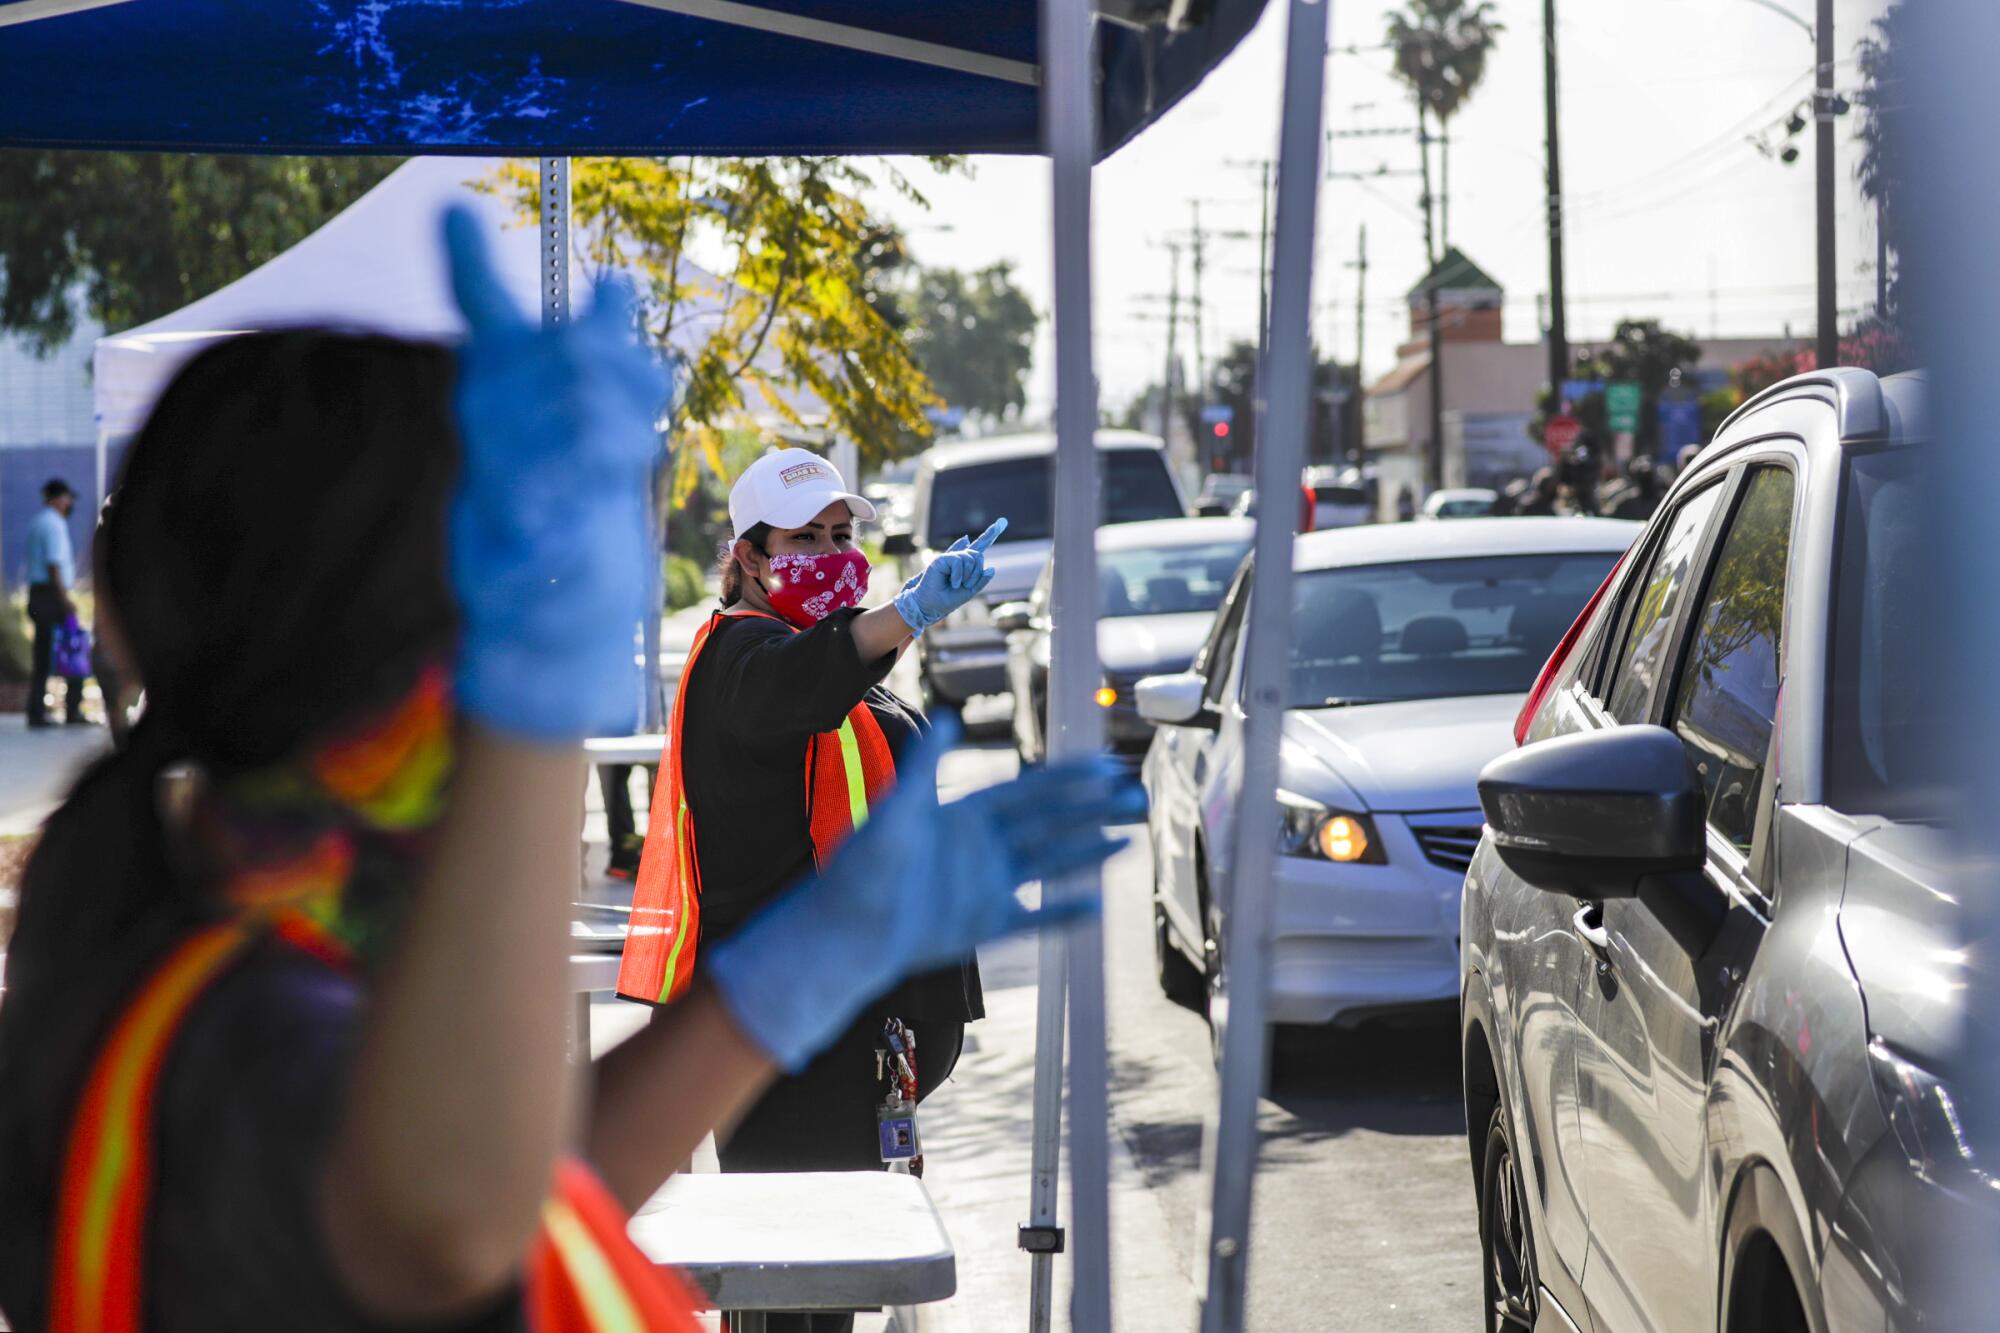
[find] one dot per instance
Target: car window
(1433, 629)
(1727, 702)
(1649, 617)
(1889, 710)
(1166, 580)
(1220, 650)
(964, 500)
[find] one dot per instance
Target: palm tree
(1441, 48)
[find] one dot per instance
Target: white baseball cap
(787, 488)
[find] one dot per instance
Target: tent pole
(556, 311)
(1230, 1145)
(555, 242)
(1076, 723)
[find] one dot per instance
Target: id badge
(896, 1127)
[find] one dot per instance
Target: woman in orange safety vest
(782, 739)
(283, 1043)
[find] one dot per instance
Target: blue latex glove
(954, 578)
(549, 537)
(920, 885)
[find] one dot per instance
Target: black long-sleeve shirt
(757, 695)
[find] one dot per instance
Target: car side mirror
(1176, 701)
(899, 543)
(1593, 815)
(1010, 617)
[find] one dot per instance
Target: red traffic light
(1222, 430)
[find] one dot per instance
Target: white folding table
(801, 1241)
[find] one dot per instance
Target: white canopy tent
(368, 268)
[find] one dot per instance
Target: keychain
(896, 1117)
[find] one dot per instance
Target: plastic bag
(70, 655)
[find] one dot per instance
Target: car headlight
(1925, 1120)
(1308, 828)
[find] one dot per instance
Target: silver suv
(1712, 964)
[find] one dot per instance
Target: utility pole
(1434, 447)
(1356, 450)
(1444, 184)
(1882, 259)
(1823, 99)
(1558, 326)
(1173, 323)
(1203, 449)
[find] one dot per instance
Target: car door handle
(1589, 923)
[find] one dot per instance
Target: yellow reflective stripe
(681, 917)
(604, 1299)
(136, 1050)
(857, 782)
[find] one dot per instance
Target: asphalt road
(1364, 1207)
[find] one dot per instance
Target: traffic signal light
(1222, 430)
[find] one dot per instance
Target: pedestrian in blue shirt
(51, 579)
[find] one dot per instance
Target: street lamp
(1824, 111)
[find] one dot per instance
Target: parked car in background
(1219, 493)
(1159, 584)
(961, 488)
(893, 492)
(1412, 650)
(1459, 502)
(1714, 967)
(1343, 497)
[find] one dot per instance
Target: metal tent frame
(1077, 52)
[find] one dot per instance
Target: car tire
(1506, 1239)
(1180, 980)
(936, 706)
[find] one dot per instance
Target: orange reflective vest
(584, 1274)
(847, 770)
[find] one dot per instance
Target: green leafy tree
(974, 335)
(1232, 381)
(128, 237)
(802, 303)
(1640, 350)
(1441, 48)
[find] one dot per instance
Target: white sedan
(1414, 646)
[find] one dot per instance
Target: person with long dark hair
(284, 1037)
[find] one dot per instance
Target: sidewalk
(37, 768)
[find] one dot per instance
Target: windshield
(964, 500)
(1886, 746)
(1434, 629)
(1165, 581)
(1340, 495)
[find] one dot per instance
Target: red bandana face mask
(806, 589)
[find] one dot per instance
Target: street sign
(1621, 407)
(1562, 431)
(1575, 391)
(1680, 425)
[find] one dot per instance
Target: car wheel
(1215, 989)
(1180, 980)
(936, 706)
(1513, 1296)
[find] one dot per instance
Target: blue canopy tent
(577, 77)
(1073, 79)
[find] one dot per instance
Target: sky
(1673, 212)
